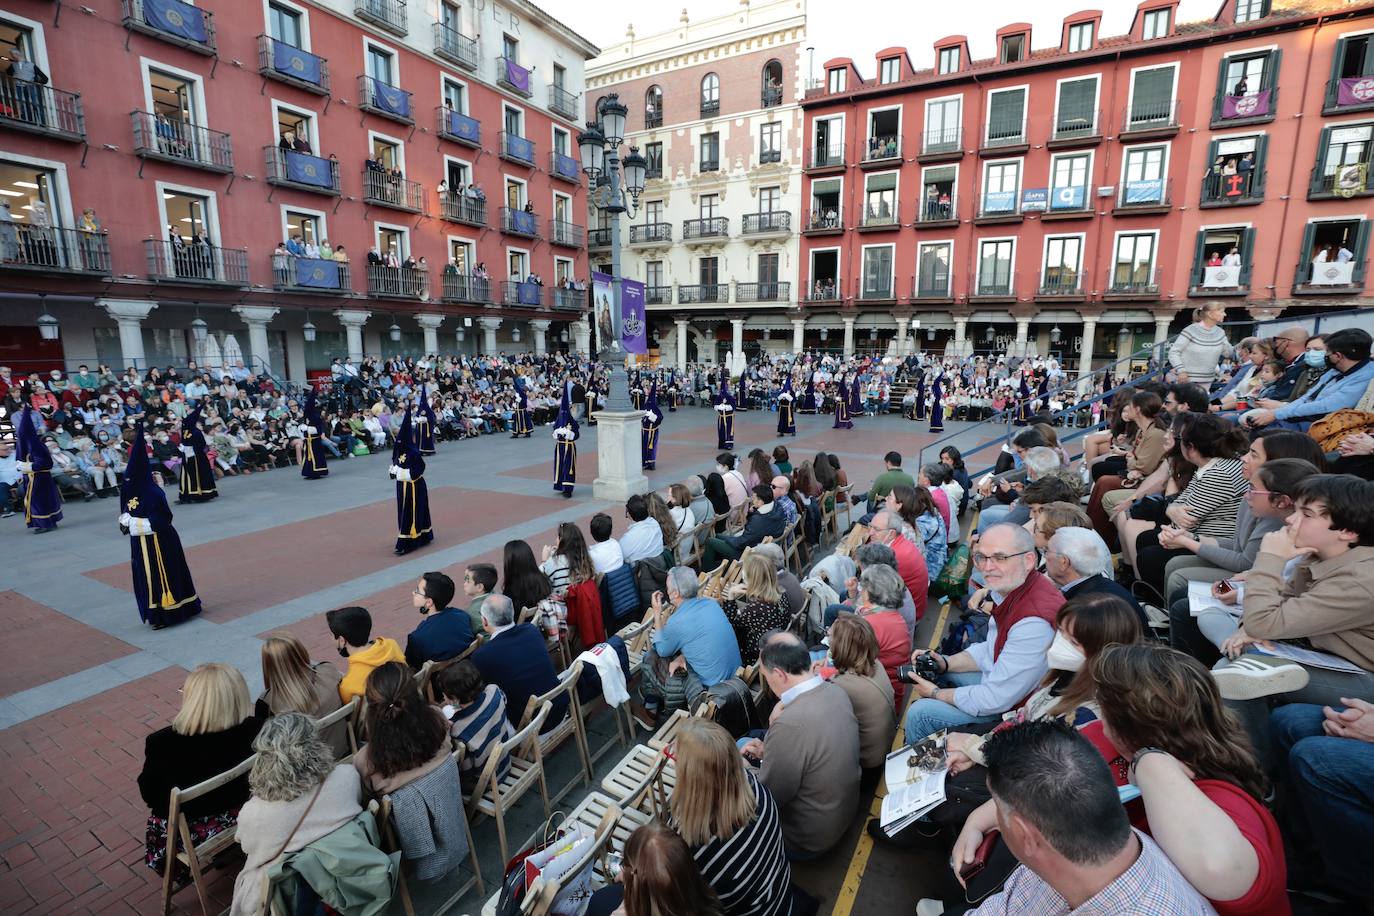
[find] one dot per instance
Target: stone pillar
(961, 347)
(1162, 328)
(353, 321)
(1085, 360)
(849, 336)
(681, 325)
(901, 335)
(540, 328)
(798, 334)
(429, 324)
(737, 341)
(1022, 337)
(129, 315)
(257, 318)
(489, 326)
(582, 337)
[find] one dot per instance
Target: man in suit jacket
(445, 631)
(515, 658)
(1079, 562)
(765, 519)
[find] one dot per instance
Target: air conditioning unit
(1106, 190)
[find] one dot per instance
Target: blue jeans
(927, 716)
(1332, 781)
(991, 515)
(834, 611)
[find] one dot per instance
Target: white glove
(402, 473)
(784, 397)
(391, 471)
(24, 467)
(124, 519)
(310, 430)
(187, 451)
(139, 525)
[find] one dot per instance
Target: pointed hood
(311, 409)
(139, 493)
(406, 431)
(654, 415)
(1025, 388)
(192, 418)
(565, 415)
(743, 395)
(427, 408)
(25, 435)
(811, 386)
(523, 395)
(726, 398)
(787, 385)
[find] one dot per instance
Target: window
(825, 274)
(1250, 10)
(451, 17)
(949, 60)
(653, 212)
(770, 142)
(455, 96)
(456, 174)
(1063, 261)
(387, 154)
(944, 125)
(284, 25)
(393, 242)
(932, 277)
(510, 48)
(653, 107)
(1080, 37)
(562, 208)
(653, 274)
(653, 158)
(770, 200)
(295, 129)
(828, 148)
(708, 206)
(560, 141)
(890, 70)
(187, 215)
(995, 260)
(710, 94)
(1334, 253)
(1352, 66)
(768, 275)
(1142, 175)
(1069, 181)
(1134, 266)
(1345, 160)
(708, 271)
(517, 264)
(461, 256)
(884, 134)
(771, 93)
(1001, 187)
(825, 203)
(1152, 98)
(36, 200)
(834, 80)
(880, 200)
(1013, 48)
(1221, 258)
(308, 228)
(1156, 24)
(710, 152)
(1076, 108)
(515, 194)
(877, 272)
(1236, 170)
(1245, 86)
(175, 98)
(1006, 117)
(513, 120)
(937, 202)
(379, 65)
(560, 77)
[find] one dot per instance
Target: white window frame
(40, 42)
(461, 161)
(949, 284)
(896, 194)
(863, 270)
(62, 195)
(1145, 19)
(529, 263)
(375, 135)
(954, 191)
(558, 260)
(370, 43)
(1126, 156)
(901, 114)
(520, 110)
(1025, 109)
(506, 181)
(1082, 252)
(278, 106)
(146, 65)
(839, 267)
(958, 53)
(836, 79)
(832, 118)
(556, 129)
(1259, 13)
(567, 198)
(463, 240)
(978, 261)
(404, 231)
(1173, 94)
(446, 77)
(1087, 176)
(1025, 49)
(925, 114)
(1091, 26)
(895, 63)
(811, 193)
(1116, 248)
(1097, 97)
(211, 206)
(321, 217)
(1020, 182)
(296, 8)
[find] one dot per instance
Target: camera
(926, 667)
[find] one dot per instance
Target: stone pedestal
(618, 455)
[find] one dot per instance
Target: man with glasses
(445, 631)
(886, 529)
(991, 677)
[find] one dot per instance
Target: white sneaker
(929, 907)
(1252, 676)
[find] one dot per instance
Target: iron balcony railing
(522, 294)
(517, 148)
(1145, 193)
(999, 203)
(1236, 187)
(390, 189)
(519, 222)
(998, 282)
(882, 216)
(289, 64)
(823, 290)
(561, 101)
(385, 99)
(651, 233)
(1006, 131)
(453, 45)
(1349, 93)
(397, 282)
(513, 77)
(703, 292)
(460, 287)
(771, 291)
(565, 167)
(772, 97)
(652, 120)
(389, 14)
(1062, 281)
(825, 157)
(1132, 280)
(458, 127)
(770, 156)
(310, 275)
(41, 109)
(708, 165)
(936, 141)
(569, 235)
(658, 295)
(159, 137)
(823, 219)
(883, 149)
(54, 250)
(569, 300)
(196, 263)
(1075, 122)
(599, 238)
(1150, 114)
(767, 223)
(173, 21)
(715, 227)
(875, 290)
(938, 209)
(1347, 181)
(292, 169)
(470, 211)
(710, 107)
(932, 282)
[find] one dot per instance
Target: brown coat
(1328, 602)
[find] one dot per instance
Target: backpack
(734, 706)
(650, 576)
(619, 598)
(970, 628)
(809, 620)
(589, 684)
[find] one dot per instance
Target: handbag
(552, 860)
(953, 579)
(359, 449)
(1151, 508)
(992, 865)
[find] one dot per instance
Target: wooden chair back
(349, 712)
(182, 847)
(572, 727)
(540, 897)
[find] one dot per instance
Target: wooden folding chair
(391, 844)
(669, 729)
(348, 712)
(843, 507)
(492, 795)
(182, 847)
(791, 545)
(572, 725)
(628, 775)
(828, 516)
(473, 646)
(542, 893)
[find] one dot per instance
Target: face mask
(1064, 655)
(1315, 358)
(722, 469)
(342, 650)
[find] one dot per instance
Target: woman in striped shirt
(477, 717)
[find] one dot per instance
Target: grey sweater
(1197, 350)
(1237, 554)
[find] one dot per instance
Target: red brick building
(1081, 198)
(203, 135)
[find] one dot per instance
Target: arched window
(772, 84)
(710, 95)
(653, 107)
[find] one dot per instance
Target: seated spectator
(736, 486)
(701, 506)
(764, 520)
(406, 737)
(567, 563)
(668, 526)
(213, 732)
(809, 757)
(880, 596)
(1341, 387)
(1049, 518)
(790, 585)
(644, 538)
(351, 628)
(659, 877)
(1185, 397)
(299, 796)
(922, 524)
(684, 520)
(854, 656)
(952, 459)
(1059, 814)
(713, 488)
(477, 717)
(1078, 561)
(892, 476)
(989, 678)
(293, 683)
(515, 658)
(755, 605)
(479, 581)
(521, 579)
(886, 529)
(445, 631)
(693, 649)
(604, 550)
(782, 460)
(1006, 504)
(9, 478)
(782, 495)
(947, 495)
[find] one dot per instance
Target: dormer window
(1156, 24)
(1250, 10)
(835, 80)
(949, 60)
(890, 70)
(1080, 37)
(1013, 48)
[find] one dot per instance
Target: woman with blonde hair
(293, 683)
(212, 733)
(854, 653)
(755, 605)
(659, 512)
(684, 519)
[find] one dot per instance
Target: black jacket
(170, 759)
(758, 526)
(1110, 586)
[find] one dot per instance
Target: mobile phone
(980, 858)
(1225, 585)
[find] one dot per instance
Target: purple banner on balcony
(519, 148)
(317, 272)
(566, 166)
(295, 63)
(1355, 90)
(523, 222)
(528, 293)
(1254, 105)
(176, 18)
(306, 169)
(463, 126)
(390, 99)
(517, 75)
(634, 326)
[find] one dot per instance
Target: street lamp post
(619, 462)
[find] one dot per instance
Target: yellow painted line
(853, 877)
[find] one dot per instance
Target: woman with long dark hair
(951, 458)
(568, 563)
(714, 491)
(658, 878)
(925, 526)
(1129, 512)
(521, 579)
(406, 737)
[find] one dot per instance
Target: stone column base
(619, 456)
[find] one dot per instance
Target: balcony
(311, 275)
(565, 167)
(1005, 137)
(1145, 118)
(932, 285)
(1148, 195)
(1328, 278)
(658, 295)
(881, 218)
(562, 102)
(182, 143)
(651, 235)
(288, 64)
(1069, 202)
(55, 251)
(470, 211)
(772, 97)
(287, 168)
(707, 166)
(880, 289)
(522, 294)
(1130, 282)
(710, 108)
(387, 14)
(882, 151)
(1349, 180)
(775, 223)
(704, 292)
(515, 148)
(997, 286)
(384, 99)
(1236, 190)
(569, 235)
(825, 160)
(455, 47)
(1062, 285)
(822, 221)
(1076, 127)
(1223, 280)
(196, 265)
(770, 156)
(465, 289)
(1349, 93)
(513, 77)
(823, 290)
(41, 110)
(1238, 110)
(397, 282)
(569, 300)
(999, 207)
(763, 292)
(519, 222)
(938, 211)
(714, 229)
(942, 145)
(173, 21)
(653, 117)
(599, 238)
(459, 127)
(389, 189)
